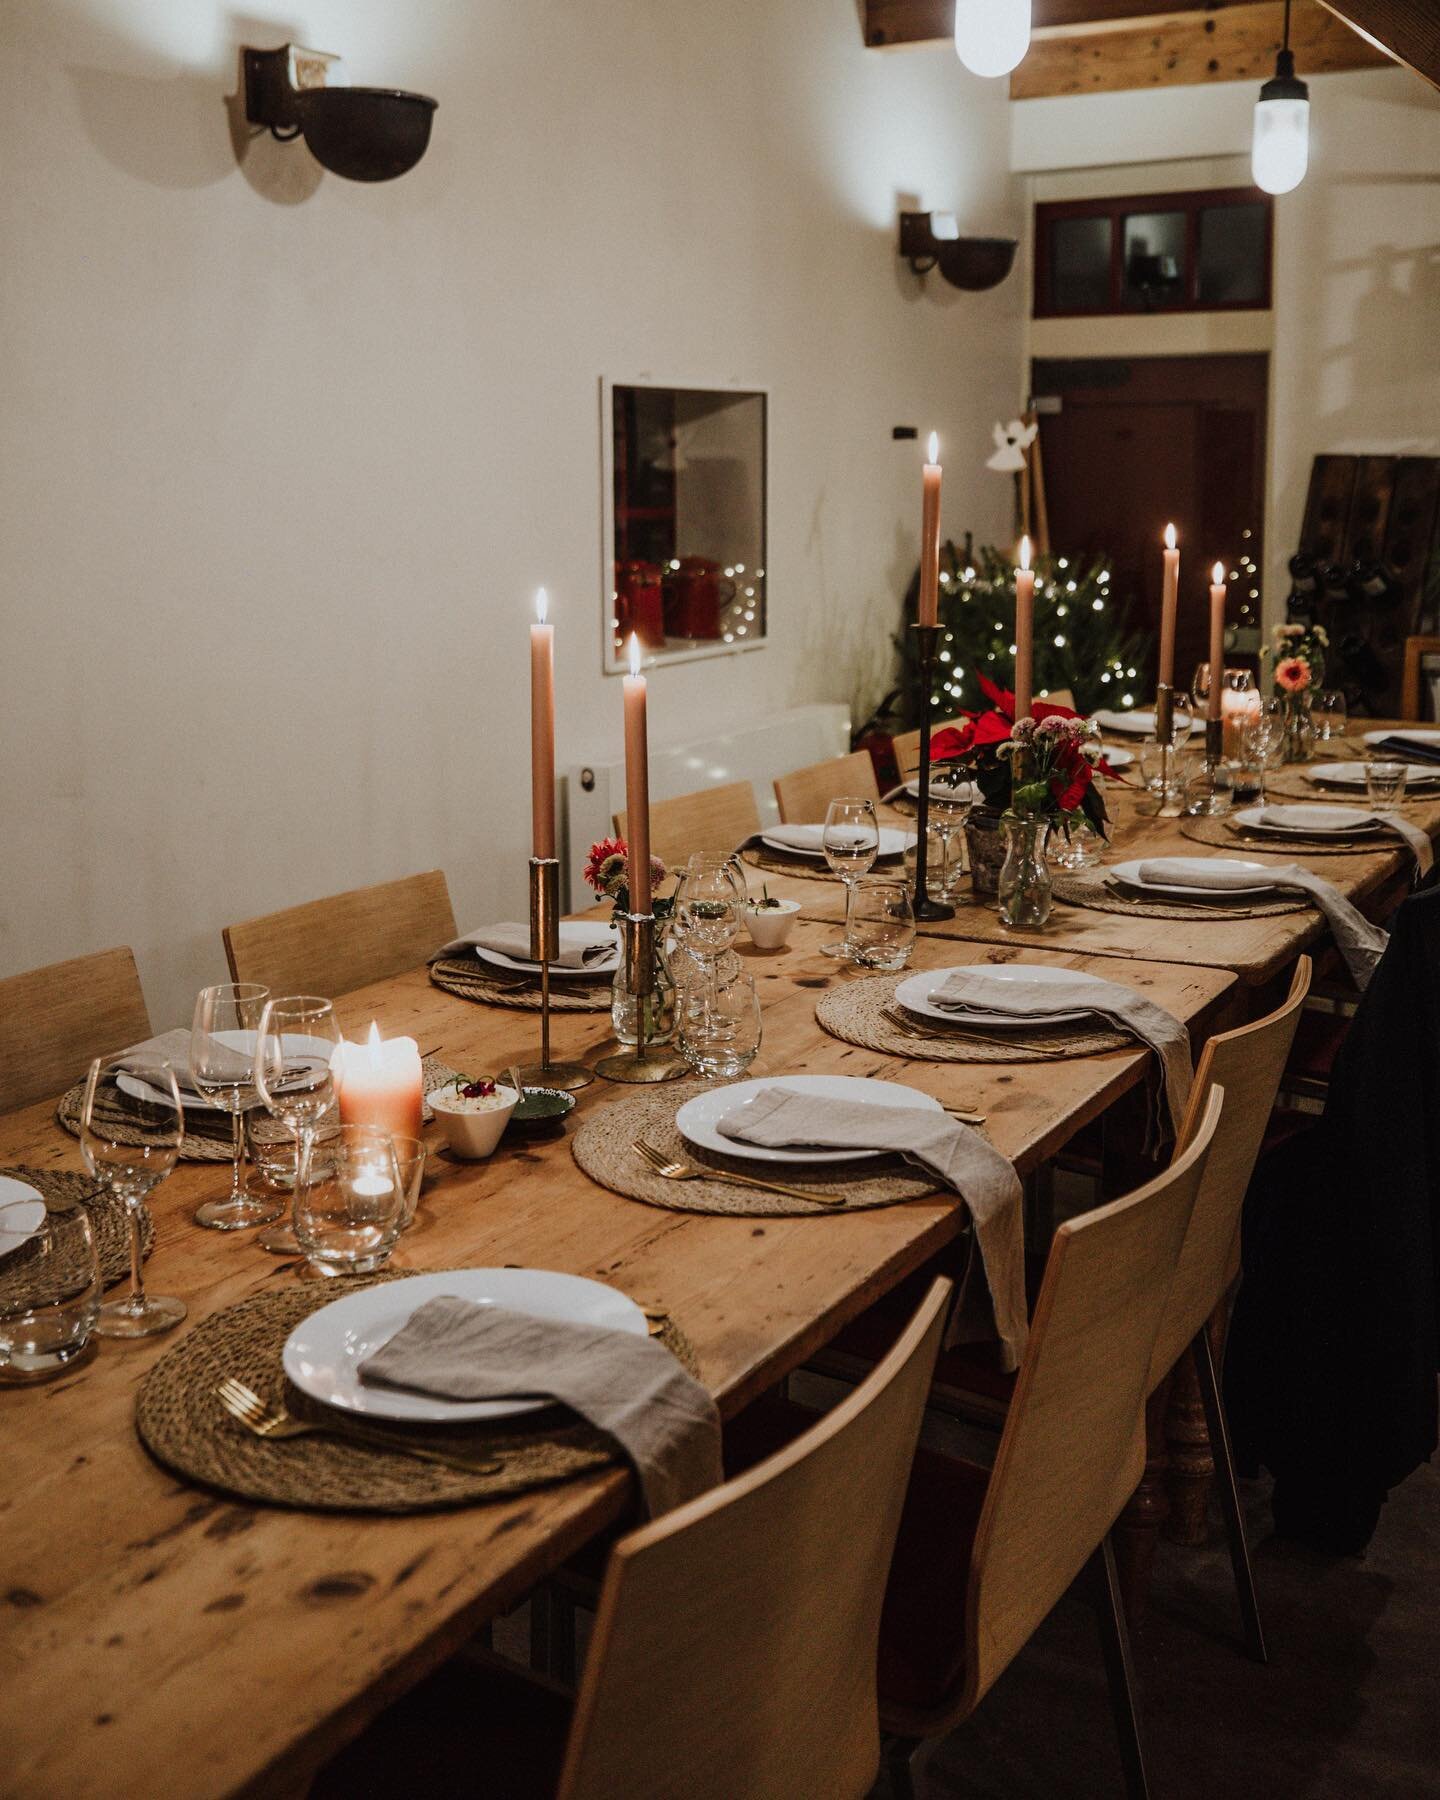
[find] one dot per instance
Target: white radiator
(592, 793)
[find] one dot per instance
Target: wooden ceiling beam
(889, 22)
(1408, 29)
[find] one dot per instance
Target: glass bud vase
(1299, 729)
(659, 1003)
(1025, 892)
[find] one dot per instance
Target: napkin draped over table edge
(1358, 941)
(1417, 838)
(626, 1385)
(955, 1154)
(582, 946)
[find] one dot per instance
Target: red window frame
(1192, 202)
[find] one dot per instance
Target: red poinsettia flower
(1071, 777)
(952, 741)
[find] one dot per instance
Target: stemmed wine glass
(708, 905)
(297, 1037)
(950, 806)
(131, 1128)
(852, 842)
(222, 1066)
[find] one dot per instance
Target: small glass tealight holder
(1209, 792)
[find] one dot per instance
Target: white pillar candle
(379, 1083)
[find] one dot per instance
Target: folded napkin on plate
(631, 1388)
(971, 990)
(1409, 749)
(956, 1154)
(797, 837)
(1360, 943)
(1297, 818)
(174, 1047)
(581, 946)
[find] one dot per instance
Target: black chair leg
(1119, 1670)
(1229, 1495)
(899, 1776)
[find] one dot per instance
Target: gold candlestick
(544, 949)
(644, 1062)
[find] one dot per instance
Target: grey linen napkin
(581, 946)
(967, 990)
(954, 1153)
(631, 1388)
(1360, 943)
(1294, 818)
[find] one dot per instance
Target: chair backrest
(345, 941)
(717, 819)
(1073, 1447)
(804, 794)
(55, 1021)
(1412, 686)
(734, 1650)
(907, 748)
(1247, 1063)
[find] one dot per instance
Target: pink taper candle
(542, 731)
(1217, 640)
(1167, 609)
(1024, 632)
(637, 784)
(930, 536)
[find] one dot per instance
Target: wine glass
(851, 837)
(1182, 720)
(708, 906)
(131, 1128)
(222, 1066)
(1328, 714)
(1200, 684)
(950, 807)
(297, 1037)
(1266, 728)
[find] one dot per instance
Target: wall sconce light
(362, 133)
(933, 241)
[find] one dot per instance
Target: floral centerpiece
(607, 871)
(1299, 655)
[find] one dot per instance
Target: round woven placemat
(1090, 891)
(1264, 843)
(109, 1217)
(856, 1014)
(815, 868)
(184, 1426)
(1291, 784)
(469, 980)
(200, 1144)
(604, 1147)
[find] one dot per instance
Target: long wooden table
(156, 1637)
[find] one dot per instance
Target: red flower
(1071, 778)
(952, 741)
(1000, 698)
(599, 855)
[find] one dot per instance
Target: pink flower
(606, 867)
(1293, 674)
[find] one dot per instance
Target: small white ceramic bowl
(472, 1135)
(769, 926)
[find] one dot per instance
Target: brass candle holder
(645, 1062)
(928, 638)
(544, 949)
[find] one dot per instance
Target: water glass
(296, 1040)
(350, 1202)
(1328, 714)
(1155, 763)
(49, 1288)
(1385, 784)
(882, 925)
(131, 1128)
(852, 842)
(1081, 849)
(410, 1159)
(222, 1066)
(720, 1027)
(1209, 791)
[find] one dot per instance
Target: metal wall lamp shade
(932, 241)
(362, 133)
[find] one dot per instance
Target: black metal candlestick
(928, 637)
(1214, 743)
(643, 1063)
(544, 949)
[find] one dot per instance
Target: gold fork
(680, 1171)
(273, 1421)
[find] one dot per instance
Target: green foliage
(1083, 639)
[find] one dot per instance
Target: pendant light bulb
(992, 36)
(1280, 148)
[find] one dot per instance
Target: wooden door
(1139, 442)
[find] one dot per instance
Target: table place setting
(1316, 829)
(410, 1392)
(1406, 743)
(494, 966)
(822, 851)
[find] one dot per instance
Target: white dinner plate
(1352, 774)
(914, 992)
(605, 965)
(323, 1353)
(22, 1213)
(1133, 724)
(697, 1118)
(1416, 733)
(892, 843)
(1308, 820)
(964, 793)
(1129, 874)
(1119, 759)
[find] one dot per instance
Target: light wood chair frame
(804, 795)
(1412, 704)
(55, 1020)
(713, 819)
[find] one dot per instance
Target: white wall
(282, 457)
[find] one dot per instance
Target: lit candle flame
(1217, 575)
(1169, 537)
(634, 653)
(374, 1042)
(1025, 554)
(542, 605)
(934, 449)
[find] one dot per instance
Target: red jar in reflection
(694, 594)
(639, 605)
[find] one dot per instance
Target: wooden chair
(1412, 696)
(346, 941)
(55, 1021)
(804, 795)
(718, 819)
(733, 1656)
(983, 1556)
